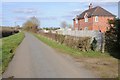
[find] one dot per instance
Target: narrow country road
(34, 59)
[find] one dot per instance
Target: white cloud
(68, 17)
(48, 18)
(26, 11)
(77, 11)
(20, 18)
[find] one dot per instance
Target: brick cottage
(93, 19)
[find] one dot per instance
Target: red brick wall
(102, 23)
(88, 24)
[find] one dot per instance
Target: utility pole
(15, 24)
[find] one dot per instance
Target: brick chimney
(74, 23)
(79, 24)
(90, 6)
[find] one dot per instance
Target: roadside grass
(65, 49)
(102, 64)
(9, 44)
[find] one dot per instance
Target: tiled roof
(96, 11)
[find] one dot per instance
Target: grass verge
(9, 44)
(65, 49)
(102, 64)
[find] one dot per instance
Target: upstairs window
(96, 18)
(86, 19)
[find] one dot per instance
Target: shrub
(7, 31)
(81, 43)
(60, 38)
(94, 44)
(84, 43)
(112, 38)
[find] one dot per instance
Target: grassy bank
(9, 44)
(65, 49)
(101, 64)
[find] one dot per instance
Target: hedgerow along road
(34, 59)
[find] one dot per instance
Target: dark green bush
(94, 44)
(112, 38)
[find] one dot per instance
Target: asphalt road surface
(34, 59)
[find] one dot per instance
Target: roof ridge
(107, 11)
(95, 9)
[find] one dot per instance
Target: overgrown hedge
(81, 43)
(4, 32)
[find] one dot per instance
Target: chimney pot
(90, 6)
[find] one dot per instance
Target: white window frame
(86, 19)
(96, 18)
(76, 21)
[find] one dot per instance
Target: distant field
(9, 44)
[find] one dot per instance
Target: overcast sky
(50, 14)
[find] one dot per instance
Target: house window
(77, 21)
(86, 19)
(96, 18)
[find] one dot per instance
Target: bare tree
(31, 24)
(63, 24)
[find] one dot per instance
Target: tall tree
(113, 37)
(31, 24)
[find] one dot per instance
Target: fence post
(103, 43)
